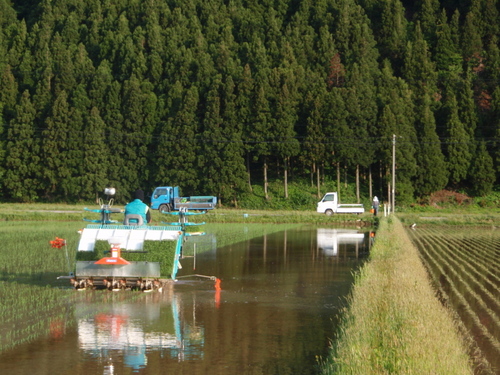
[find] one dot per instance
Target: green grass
(394, 323)
(26, 255)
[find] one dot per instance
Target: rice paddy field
(33, 302)
(464, 264)
(460, 254)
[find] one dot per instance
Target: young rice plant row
(464, 265)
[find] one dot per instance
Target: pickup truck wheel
(164, 208)
(328, 212)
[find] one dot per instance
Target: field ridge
(394, 322)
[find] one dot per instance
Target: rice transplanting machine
(119, 256)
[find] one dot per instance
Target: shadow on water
(275, 312)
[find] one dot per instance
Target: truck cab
(163, 198)
(167, 199)
(328, 204)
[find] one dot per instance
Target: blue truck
(167, 199)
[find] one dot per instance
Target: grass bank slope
(394, 323)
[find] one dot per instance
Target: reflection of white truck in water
(167, 198)
(330, 205)
(330, 239)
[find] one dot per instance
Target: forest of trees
(218, 95)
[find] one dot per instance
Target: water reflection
(199, 244)
(275, 312)
(127, 331)
(329, 240)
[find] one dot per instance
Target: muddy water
(274, 313)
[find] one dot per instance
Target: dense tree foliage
(218, 95)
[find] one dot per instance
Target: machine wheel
(164, 208)
(329, 212)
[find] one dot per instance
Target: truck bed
(195, 203)
(350, 208)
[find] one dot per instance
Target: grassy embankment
(394, 322)
(75, 212)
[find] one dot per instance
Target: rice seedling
(464, 268)
(27, 265)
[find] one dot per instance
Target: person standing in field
(137, 207)
(375, 205)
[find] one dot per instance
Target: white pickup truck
(329, 205)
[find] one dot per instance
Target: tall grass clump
(394, 322)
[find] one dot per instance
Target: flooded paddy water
(275, 313)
